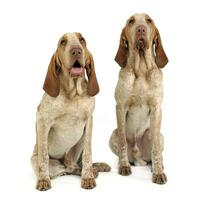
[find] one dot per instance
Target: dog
(64, 116)
(139, 93)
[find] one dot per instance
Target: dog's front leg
(159, 176)
(124, 165)
(43, 182)
(87, 179)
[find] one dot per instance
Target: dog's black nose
(141, 29)
(76, 51)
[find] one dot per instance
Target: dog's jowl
(64, 116)
(139, 92)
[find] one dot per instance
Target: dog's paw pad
(125, 170)
(88, 183)
(159, 178)
(43, 185)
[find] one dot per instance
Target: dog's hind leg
(56, 168)
(73, 161)
(72, 158)
(113, 143)
(101, 167)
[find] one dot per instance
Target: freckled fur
(64, 121)
(139, 92)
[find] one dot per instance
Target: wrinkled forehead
(139, 18)
(71, 39)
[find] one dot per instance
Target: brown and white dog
(64, 116)
(139, 92)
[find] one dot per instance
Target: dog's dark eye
(149, 20)
(82, 40)
(63, 42)
(131, 21)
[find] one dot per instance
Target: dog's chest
(137, 121)
(136, 95)
(139, 90)
(78, 108)
(69, 125)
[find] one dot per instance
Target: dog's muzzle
(141, 37)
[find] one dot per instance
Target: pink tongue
(76, 70)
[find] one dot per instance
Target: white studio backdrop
(29, 32)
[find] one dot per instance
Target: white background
(29, 31)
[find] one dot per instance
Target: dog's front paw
(88, 183)
(43, 185)
(124, 170)
(159, 178)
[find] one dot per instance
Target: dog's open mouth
(76, 69)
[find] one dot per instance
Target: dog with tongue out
(77, 68)
(64, 116)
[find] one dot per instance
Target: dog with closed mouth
(64, 116)
(139, 93)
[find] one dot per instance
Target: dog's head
(140, 34)
(72, 58)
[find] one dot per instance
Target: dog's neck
(71, 87)
(141, 62)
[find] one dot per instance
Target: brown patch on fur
(89, 183)
(93, 86)
(161, 58)
(121, 56)
(52, 84)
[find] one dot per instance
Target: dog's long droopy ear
(160, 58)
(93, 86)
(52, 84)
(122, 53)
